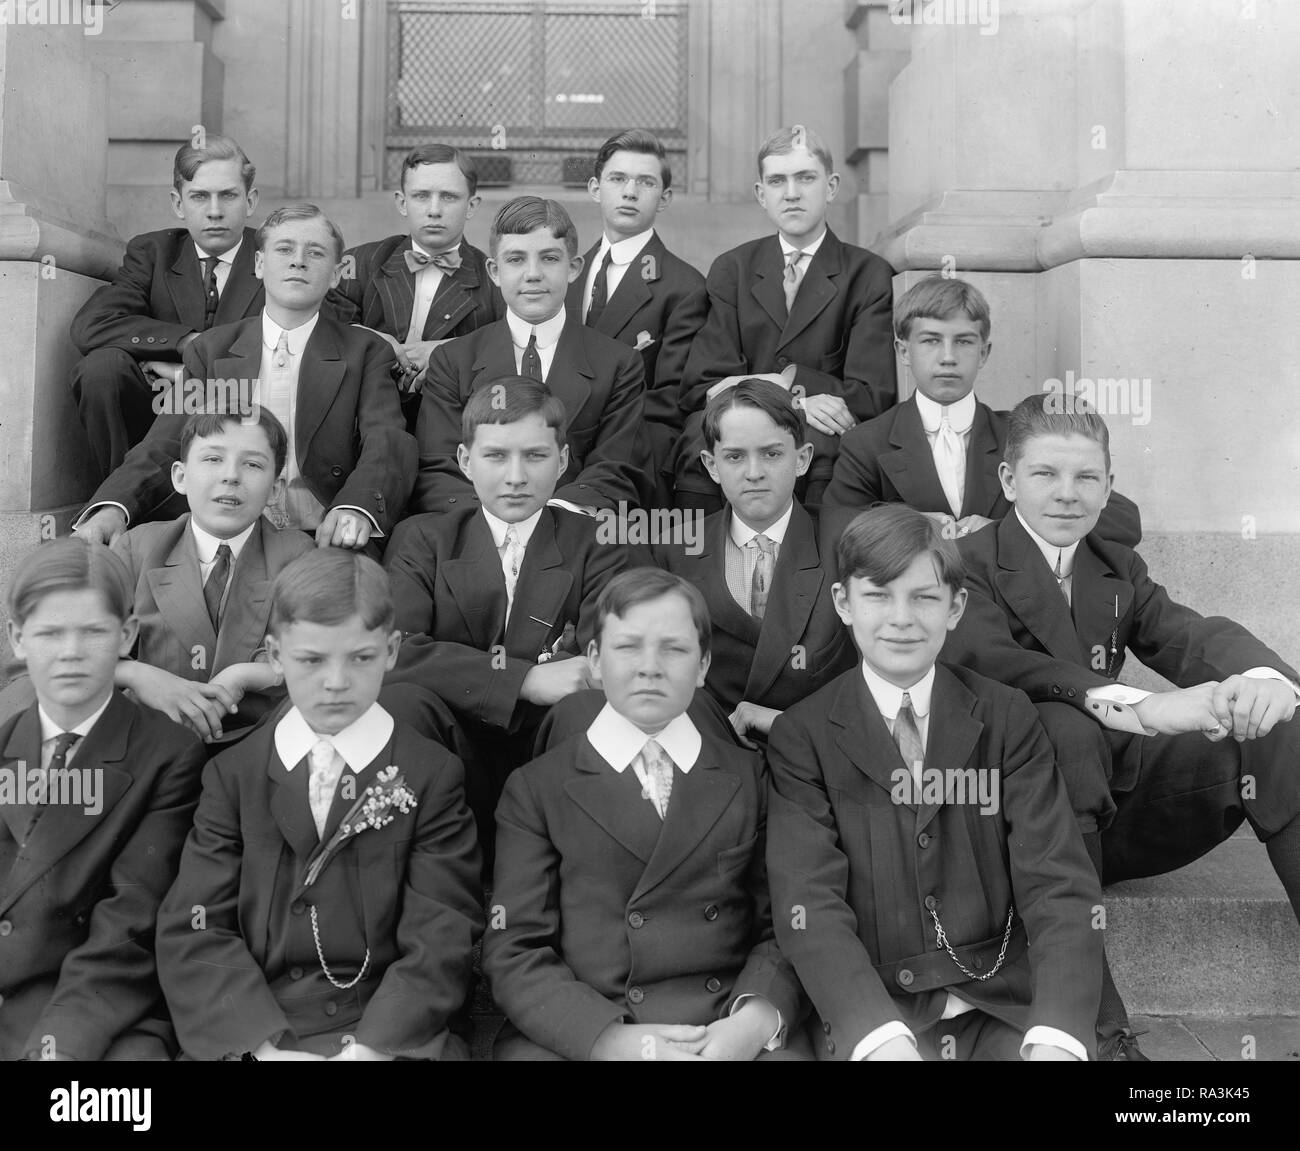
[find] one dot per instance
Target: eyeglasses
(620, 179)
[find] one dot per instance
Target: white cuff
(582, 511)
(374, 526)
(778, 1036)
(879, 1037)
(1112, 706)
(1054, 1038)
(1272, 673)
(90, 511)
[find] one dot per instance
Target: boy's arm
(122, 309)
(717, 350)
(437, 433)
(485, 686)
(604, 562)
(108, 983)
(610, 473)
(344, 301)
(681, 327)
(854, 487)
(412, 565)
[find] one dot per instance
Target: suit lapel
(177, 589)
(319, 378)
(862, 735)
(395, 286)
(454, 299)
(796, 584)
(22, 746)
(606, 796)
(290, 806)
(634, 290)
(185, 283)
(982, 458)
(243, 359)
(543, 586)
(952, 736)
(1030, 590)
(910, 466)
(475, 569)
(816, 290)
(726, 613)
(242, 286)
(496, 356)
(1099, 599)
(571, 372)
(248, 603)
(768, 287)
(345, 796)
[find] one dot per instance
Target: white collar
(416, 246)
(742, 533)
(524, 528)
(961, 413)
(548, 332)
(1051, 551)
(619, 741)
(809, 250)
(225, 257)
(50, 729)
(358, 743)
(298, 336)
(207, 543)
(889, 698)
(625, 250)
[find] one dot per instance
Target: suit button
(336, 471)
(1056, 689)
(635, 995)
(827, 1028)
(979, 964)
(135, 339)
(6, 928)
(931, 903)
(712, 985)
(830, 1046)
(331, 1008)
(636, 919)
(782, 362)
(295, 972)
(1070, 692)
(451, 500)
(711, 912)
(923, 840)
(905, 978)
(149, 340)
(297, 907)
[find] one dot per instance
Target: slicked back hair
(880, 544)
(525, 214)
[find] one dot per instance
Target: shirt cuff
(582, 511)
(90, 511)
(374, 526)
(1055, 1038)
(879, 1037)
(778, 1036)
(1112, 706)
(1272, 673)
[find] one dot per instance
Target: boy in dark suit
(332, 860)
(171, 286)
(202, 583)
(1153, 780)
(939, 450)
(428, 284)
(350, 463)
(802, 307)
(96, 795)
(633, 914)
(635, 290)
(928, 881)
(600, 382)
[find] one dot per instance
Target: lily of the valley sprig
(376, 807)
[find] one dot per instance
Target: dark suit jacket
(450, 596)
(381, 292)
(350, 437)
(615, 916)
(664, 297)
(889, 460)
(840, 333)
(800, 644)
(157, 297)
(603, 389)
(407, 891)
(81, 896)
(863, 867)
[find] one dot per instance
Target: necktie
(1061, 578)
(512, 556)
(326, 767)
(908, 737)
(448, 261)
(950, 463)
(792, 276)
(211, 296)
(599, 291)
(215, 586)
(531, 364)
(277, 400)
(658, 768)
(761, 581)
(40, 794)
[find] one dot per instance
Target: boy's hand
(1180, 710)
(1041, 1052)
(360, 1053)
(550, 682)
(897, 1050)
(241, 678)
(342, 528)
(414, 357)
(164, 370)
(270, 1053)
(660, 1042)
(741, 1036)
(752, 717)
(828, 414)
(103, 527)
(1250, 708)
(199, 706)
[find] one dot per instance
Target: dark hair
(189, 158)
(1053, 414)
(441, 154)
(635, 140)
(292, 212)
(770, 399)
(328, 586)
(787, 139)
(201, 425)
(640, 585)
(941, 298)
(70, 564)
(508, 400)
(881, 543)
(525, 214)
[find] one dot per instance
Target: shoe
(1121, 1046)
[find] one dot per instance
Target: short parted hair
(788, 139)
(769, 398)
(328, 586)
(636, 140)
(508, 400)
(941, 298)
(70, 564)
(204, 424)
(640, 585)
(880, 544)
(291, 212)
(1053, 414)
(525, 214)
(441, 154)
(188, 159)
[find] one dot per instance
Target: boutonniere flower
(376, 807)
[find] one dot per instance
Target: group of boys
(831, 841)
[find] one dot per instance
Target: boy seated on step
(928, 881)
(328, 897)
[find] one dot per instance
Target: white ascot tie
(950, 463)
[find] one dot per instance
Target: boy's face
(436, 202)
(794, 191)
(214, 205)
(630, 193)
(1059, 485)
(649, 661)
(71, 644)
(533, 272)
(299, 264)
(756, 464)
(228, 478)
(900, 628)
(945, 356)
(333, 672)
(514, 467)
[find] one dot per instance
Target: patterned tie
(531, 365)
(1061, 579)
(792, 276)
(512, 556)
(599, 291)
(277, 398)
(908, 737)
(211, 296)
(950, 463)
(326, 767)
(215, 587)
(448, 261)
(40, 795)
(761, 583)
(658, 768)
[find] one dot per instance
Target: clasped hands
(1243, 707)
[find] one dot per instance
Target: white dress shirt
(50, 731)
(961, 415)
(358, 743)
(809, 251)
(548, 335)
(523, 530)
(225, 262)
(743, 561)
(625, 251)
(427, 281)
(207, 544)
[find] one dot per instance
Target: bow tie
(448, 261)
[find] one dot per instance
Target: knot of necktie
(448, 261)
